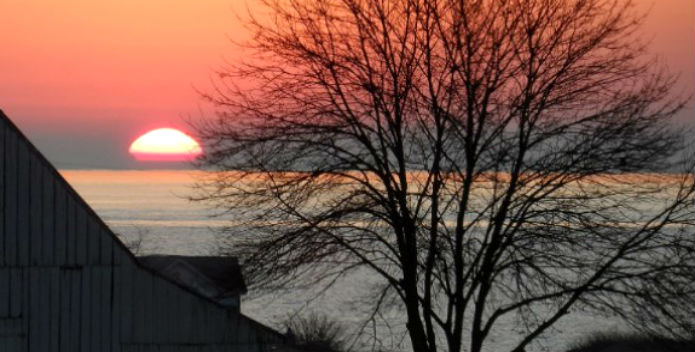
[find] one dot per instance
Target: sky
(84, 78)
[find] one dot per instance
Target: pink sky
(83, 78)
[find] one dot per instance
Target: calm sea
(152, 206)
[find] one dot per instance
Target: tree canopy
(483, 158)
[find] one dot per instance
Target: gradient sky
(83, 78)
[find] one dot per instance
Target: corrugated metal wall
(67, 283)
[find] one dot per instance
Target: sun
(165, 144)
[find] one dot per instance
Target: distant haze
(84, 78)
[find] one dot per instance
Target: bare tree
(486, 159)
(316, 332)
(134, 242)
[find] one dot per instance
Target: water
(153, 206)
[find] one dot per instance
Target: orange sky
(83, 78)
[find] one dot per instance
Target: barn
(67, 283)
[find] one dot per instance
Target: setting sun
(165, 144)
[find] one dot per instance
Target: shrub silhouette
(632, 343)
(316, 332)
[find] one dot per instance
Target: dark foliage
(632, 343)
(316, 333)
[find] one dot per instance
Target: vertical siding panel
(22, 211)
(106, 306)
(96, 295)
(224, 325)
(126, 314)
(75, 324)
(54, 307)
(120, 255)
(116, 310)
(26, 308)
(47, 216)
(138, 299)
(45, 319)
(198, 320)
(183, 316)
(217, 331)
(82, 240)
(10, 197)
(33, 336)
(204, 329)
(233, 329)
(4, 292)
(170, 316)
(70, 231)
(123, 308)
(147, 295)
(157, 310)
(65, 309)
(93, 232)
(35, 200)
(173, 326)
(85, 305)
(61, 212)
(166, 331)
(201, 329)
(106, 246)
(16, 291)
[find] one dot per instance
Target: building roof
(222, 272)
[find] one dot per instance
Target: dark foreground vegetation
(316, 333)
(632, 343)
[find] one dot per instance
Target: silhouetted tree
(484, 158)
(134, 241)
(316, 332)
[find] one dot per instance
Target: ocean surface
(152, 208)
